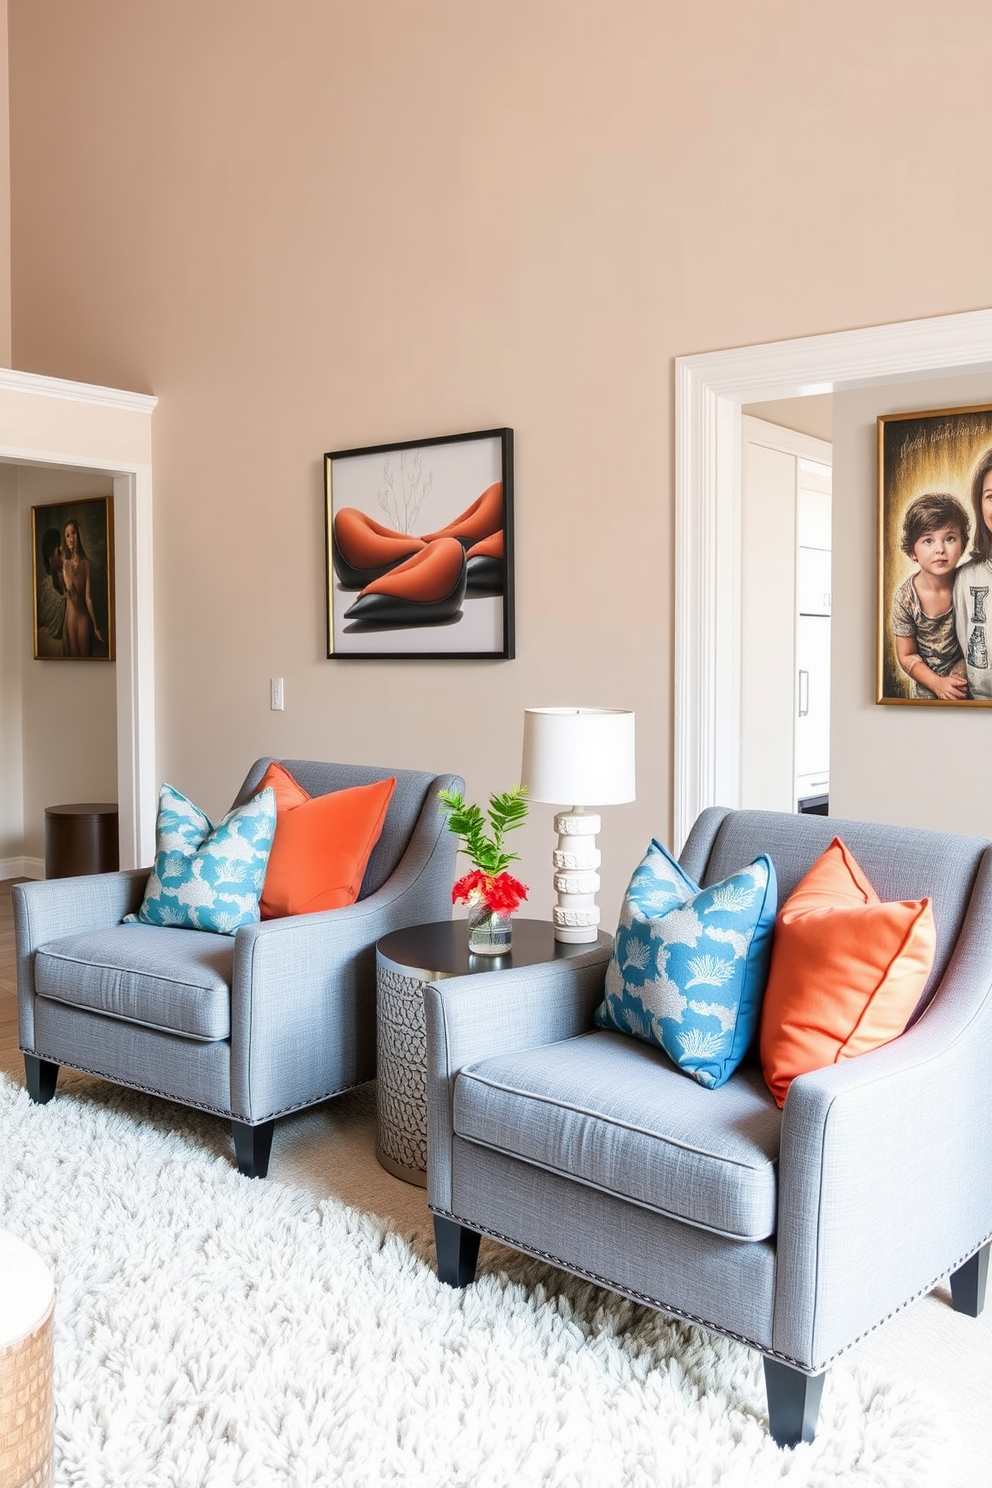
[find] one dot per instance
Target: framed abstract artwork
(419, 548)
(935, 557)
(72, 573)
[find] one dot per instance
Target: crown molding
(37, 386)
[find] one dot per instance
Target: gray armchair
(794, 1231)
(277, 1017)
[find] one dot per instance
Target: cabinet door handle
(803, 694)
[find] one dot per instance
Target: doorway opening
(54, 424)
(711, 389)
(786, 540)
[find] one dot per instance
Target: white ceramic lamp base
(576, 860)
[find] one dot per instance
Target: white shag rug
(217, 1331)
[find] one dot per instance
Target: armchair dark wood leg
(457, 1252)
(968, 1283)
(252, 1145)
(793, 1402)
(41, 1076)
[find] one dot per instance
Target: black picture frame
(79, 625)
(395, 516)
(932, 467)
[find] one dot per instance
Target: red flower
(505, 893)
(472, 883)
(501, 893)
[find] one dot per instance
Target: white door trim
(42, 422)
(789, 441)
(137, 784)
(709, 391)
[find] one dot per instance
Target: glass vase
(490, 931)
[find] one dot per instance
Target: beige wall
(919, 766)
(4, 195)
(323, 224)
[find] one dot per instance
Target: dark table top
(433, 952)
(84, 808)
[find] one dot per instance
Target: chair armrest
(476, 1017)
(48, 909)
(303, 993)
(303, 988)
(884, 1182)
(271, 956)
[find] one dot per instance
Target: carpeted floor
(214, 1331)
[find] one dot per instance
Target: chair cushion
(614, 1113)
(322, 843)
(846, 970)
(689, 965)
(207, 877)
(178, 980)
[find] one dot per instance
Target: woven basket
(27, 1409)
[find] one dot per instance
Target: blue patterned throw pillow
(689, 965)
(207, 877)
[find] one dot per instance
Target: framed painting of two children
(935, 557)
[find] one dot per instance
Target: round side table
(405, 961)
(27, 1403)
(81, 838)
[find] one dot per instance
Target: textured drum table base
(27, 1406)
(406, 960)
(402, 1076)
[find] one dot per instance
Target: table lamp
(584, 756)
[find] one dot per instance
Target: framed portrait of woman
(72, 571)
(935, 557)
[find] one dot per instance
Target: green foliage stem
(486, 850)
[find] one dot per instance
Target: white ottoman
(27, 1404)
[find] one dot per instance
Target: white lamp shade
(579, 756)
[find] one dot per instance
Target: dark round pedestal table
(81, 838)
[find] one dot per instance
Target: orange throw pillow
(322, 844)
(846, 971)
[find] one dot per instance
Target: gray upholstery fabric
(724, 1284)
(699, 843)
(63, 907)
(179, 980)
(616, 1114)
(299, 1022)
(883, 1184)
(182, 1069)
(465, 1023)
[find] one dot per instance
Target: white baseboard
(22, 867)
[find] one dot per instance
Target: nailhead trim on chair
(194, 1105)
(689, 1317)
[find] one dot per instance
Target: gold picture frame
(934, 591)
(72, 574)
